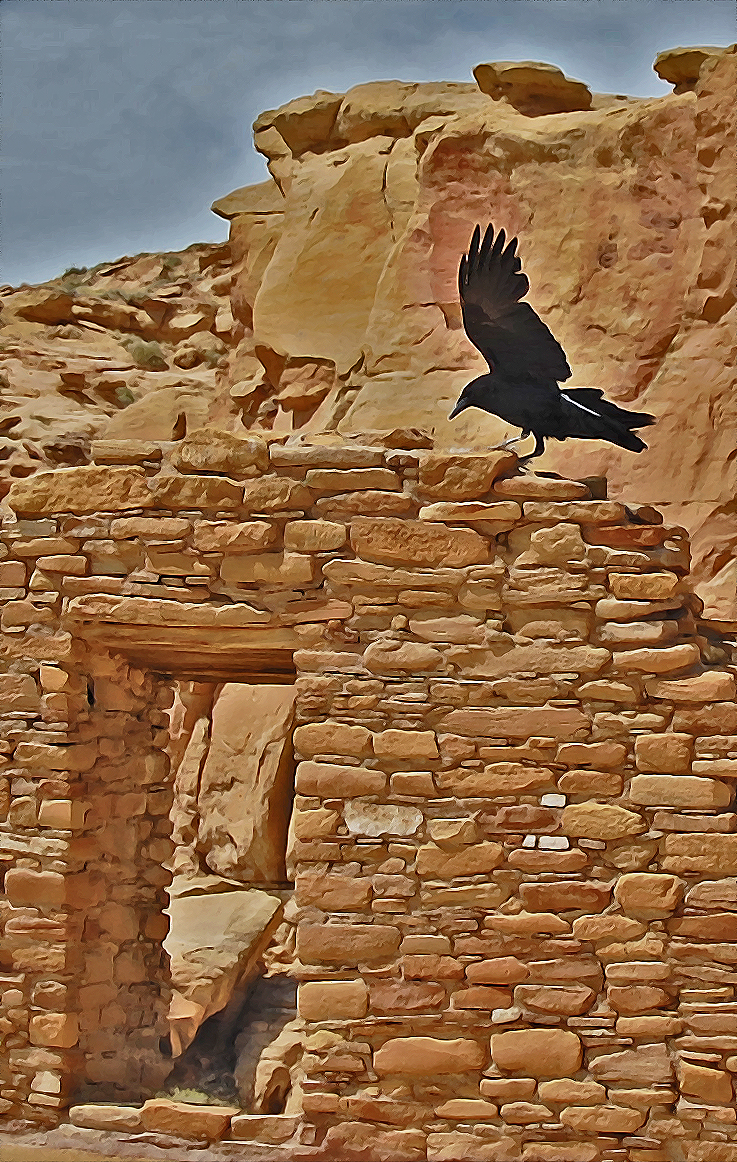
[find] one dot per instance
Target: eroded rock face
(234, 781)
(380, 190)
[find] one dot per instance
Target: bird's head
(470, 397)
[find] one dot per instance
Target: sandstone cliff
(334, 306)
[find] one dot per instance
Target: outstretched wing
(509, 334)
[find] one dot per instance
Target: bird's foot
(507, 443)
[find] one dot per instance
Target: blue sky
(124, 119)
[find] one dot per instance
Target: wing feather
(509, 334)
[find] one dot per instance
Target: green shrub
(146, 354)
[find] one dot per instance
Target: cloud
(124, 119)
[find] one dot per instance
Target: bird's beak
(460, 407)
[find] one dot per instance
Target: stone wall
(512, 843)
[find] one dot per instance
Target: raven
(525, 360)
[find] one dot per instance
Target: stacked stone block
(513, 845)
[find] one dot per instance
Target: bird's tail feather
(589, 417)
(592, 397)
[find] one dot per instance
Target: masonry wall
(513, 840)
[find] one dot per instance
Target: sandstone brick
(12, 575)
(346, 944)
(199, 492)
(60, 1030)
(600, 821)
(524, 1113)
(594, 754)
(346, 455)
(643, 586)
(374, 819)
(712, 686)
(405, 542)
(354, 1141)
(314, 536)
(390, 997)
(719, 718)
(154, 527)
(602, 1119)
(333, 738)
(717, 927)
(541, 488)
(350, 479)
(332, 781)
(196, 1122)
(469, 511)
(607, 929)
(582, 512)
(80, 490)
(388, 656)
(648, 896)
(24, 888)
(651, 1028)
(467, 1109)
(528, 923)
(276, 494)
(481, 997)
(288, 569)
(679, 791)
(465, 1147)
(537, 1052)
(434, 863)
(106, 1117)
(462, 477)
(646, 1065)
(657, 661)
(568, 1092)
(713, 1085)
(508, 1089)
(498, 970)
(210, 450)
(333, 892)
(555, 1152)
(713, 894)
(496, 779)
(423, 1056)
(431, 967)
(663, 753)
(418, 784)
(631, 999)
(541, 860)
(566, 895)
(269, 1129)
(426, 942)
(232, 536)
(589, 782)
(62, 814)
(725, 768)
(338, 1000)
(516, 722)
(459, 630)
(408, 745)
(612, 609)
(18, 693)
(555, 998)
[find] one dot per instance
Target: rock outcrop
(345, 266)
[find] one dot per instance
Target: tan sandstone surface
(335, 302)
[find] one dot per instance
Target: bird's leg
(536, 451)
(512, 440)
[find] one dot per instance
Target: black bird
(525, 360)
